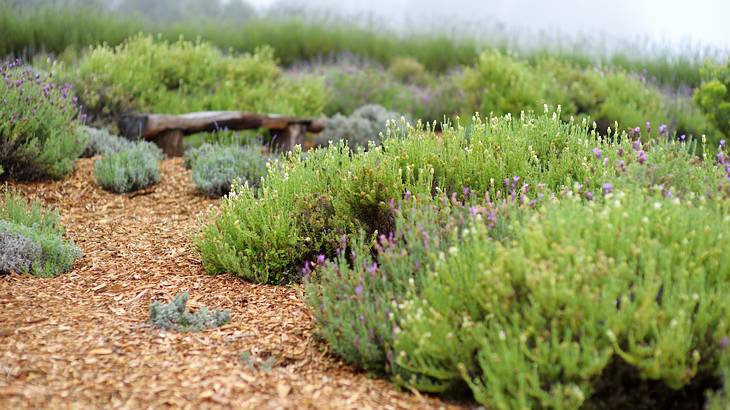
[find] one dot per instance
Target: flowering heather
(39, 121)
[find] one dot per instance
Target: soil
(80, 340)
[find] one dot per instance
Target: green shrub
(409, 71)
(145, 74)
(33, 239)
(500, 84)
(101, 142)
(38, 125)
(174, 316)
(217, 167)
(713, 96)
(535, 321)
(130, 169)
(304, 207)
(365, 125)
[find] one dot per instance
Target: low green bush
(130, 169)
(217, 167)
(175, 316)
(32, 239)
(151, 75)
(38, 125)
(364, 125)
(537, 320)
(305, 205)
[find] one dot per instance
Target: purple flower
(320, 259)
(663, 129)
(720, 157)
(722, 144)
(473, 211)
(467, 192)
(408, 195)
(637, 130)
(648, 126)
(621, 164)
(725, 342)
(307, 270)
(343, 242)
(597, 152)
(605, 162)
(636, 145)
(372, 268)
(607, 188)
(682, 138)
(359, 289)
(641, 156)
(589, 195)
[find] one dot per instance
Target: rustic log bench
(167, 131)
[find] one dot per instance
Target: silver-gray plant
(102, 142)
(364, 125)
(174, 316)
(17, 252)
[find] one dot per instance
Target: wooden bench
(167, 131)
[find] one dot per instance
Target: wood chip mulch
(80, 340)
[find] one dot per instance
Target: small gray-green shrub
(365, 125)
(38, 125)
(101, 142)
(174, 316)
(33, 239)
(216, 167)
(134, 167)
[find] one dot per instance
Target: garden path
(80, 340)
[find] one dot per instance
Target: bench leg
(171, 143)
(287, 139)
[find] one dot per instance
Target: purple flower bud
(637, 130)
(607, 188)
(320, 259)
(720, 157)
(589, 195)
(663, 129)
(408, 195)
(597, 152)
(343, 242)
(621, 164)
(641, 156)
(605, 162)
(473, 210)
(722, 144)
(648, 126)
(636, 145)
(372, 268)
(725, 342)
(682, 138)
(359, 289)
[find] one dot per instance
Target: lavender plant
(535, 321)
(134, 167)
(38, 125)
(175, 316)
(33, 239)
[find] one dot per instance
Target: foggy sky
(675, 22)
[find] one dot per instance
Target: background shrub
(363, 126)
(216, 167)
(175, 316)
(33, 239)
(38, 125)
(130, 169)
(713, 96)
(153, 75)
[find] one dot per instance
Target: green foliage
(303, 207)
(38, 125)
(33, 239)
(366, 124)
(713, 96)
(409, 71)
(153, 75)
(130, 169)
(535, 320)
(175, 316)
(217, 167)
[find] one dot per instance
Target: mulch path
(80, 340)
